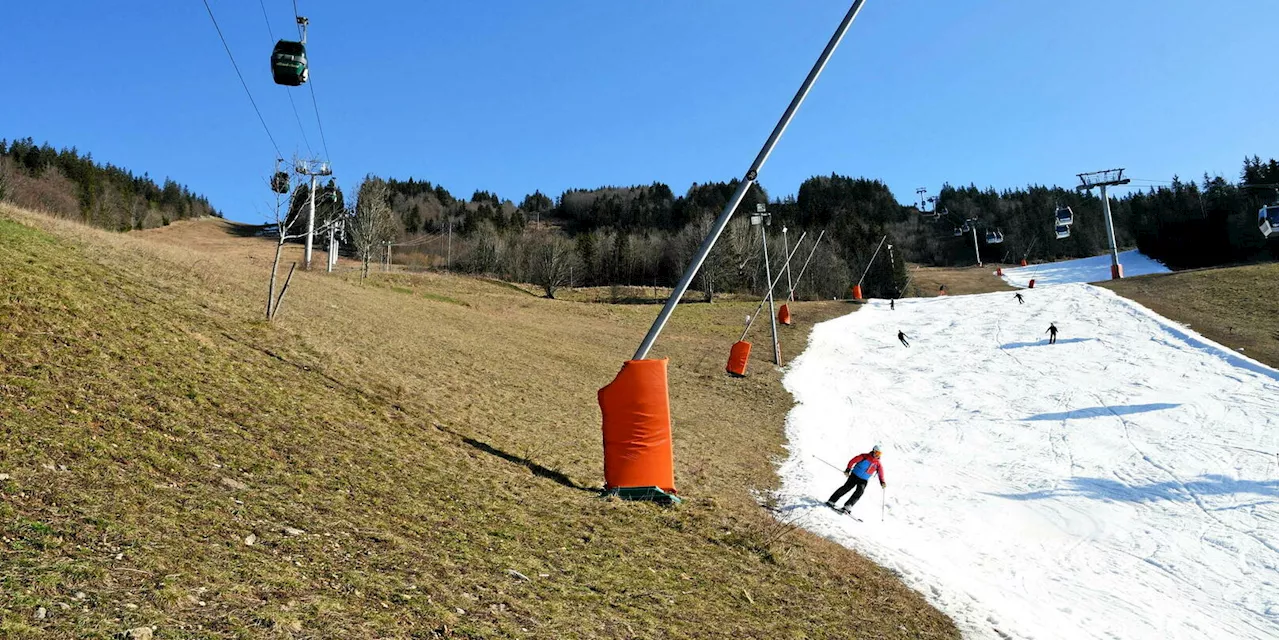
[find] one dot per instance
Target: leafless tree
(551, 261)
(287, 227)
(372, 223)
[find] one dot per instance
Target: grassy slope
(428, 433)
(959, 280)
(1235, 306)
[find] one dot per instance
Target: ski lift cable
(242, 82)
(312, 88)
(292, 104)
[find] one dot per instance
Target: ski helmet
(876, 449)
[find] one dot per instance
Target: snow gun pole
(752, 318)
(806, 260)
(872, 261)
(745, 184)
(768, 295)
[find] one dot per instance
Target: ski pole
(882, 490)
(827, 463)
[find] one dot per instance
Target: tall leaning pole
(635, 406)
(1102, 180)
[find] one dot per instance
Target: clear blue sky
(512, 96)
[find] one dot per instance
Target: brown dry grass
(428, 432)
(959, 280)
(1238, 307)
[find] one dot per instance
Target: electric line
(242, 82)
(312, 87)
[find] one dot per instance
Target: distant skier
(902, 337)
(891, 304)
(859, 470)
(1053, 334)
(1018, 297)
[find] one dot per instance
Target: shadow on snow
(1043, 342)
(1102, 412)
(1107, 489)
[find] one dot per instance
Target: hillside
(1234, 306)
(416, 456)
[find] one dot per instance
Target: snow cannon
(636, 412)
(784, 315)
(857, 293)
(1023, 263)
(1117, 271)
(738, 355)
(1031, 284)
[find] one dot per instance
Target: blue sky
(512, 96)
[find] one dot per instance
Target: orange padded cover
(637, 427)
(738, 354)
(784, 315)
(857, 292)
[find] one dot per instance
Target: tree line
(70, 185)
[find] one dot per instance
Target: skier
(891, 304)
(1018, 296)
(1053, 333)
(859, 471)
(902, 337)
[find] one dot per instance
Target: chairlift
(1269, 220)
(995, 237)
(1062, 231)
(289, 59)
(1064, 216)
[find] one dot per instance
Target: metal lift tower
(1102, 180)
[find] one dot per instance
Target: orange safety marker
(738, 355)
(636, 414)
(999, 271)
(1032, 284)
(857, 292)
(1023, 263)
(784, 315)
(1117, 271)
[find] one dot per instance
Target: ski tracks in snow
(1118, 484)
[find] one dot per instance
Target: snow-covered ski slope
(1119, 484)
(1095, 269)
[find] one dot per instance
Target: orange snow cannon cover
(1032, 284)
(784, 315)
(857, 292)
(738, 355)
(1023, 262)
(637, 427)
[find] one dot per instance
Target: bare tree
(373, 222)
(286, 220)
(551, 261)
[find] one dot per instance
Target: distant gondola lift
(1062, 231)
(280, 182)
(958, 232)
(1063, 215)
(1269, 220)
(995, 237)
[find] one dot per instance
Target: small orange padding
(784, 315)
(1023, 262)
(999, 271)
(857, 292)
(1117, 271)
(636, 414)
(738, 355)
(1032, 284)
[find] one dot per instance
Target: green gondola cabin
(289, 63)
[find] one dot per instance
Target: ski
(842, 511)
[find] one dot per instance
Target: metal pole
(1111, 232)
(311, 224)
(328, 258)
(872, 261)
(773, 319)
(790, 287)
(748, 179)
(448, 256)
(752, 318)
(977, 256)
(806, 260)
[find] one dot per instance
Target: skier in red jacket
(860, 469)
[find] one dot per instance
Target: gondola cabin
(289, 63)
(1062, 231)
(995, 237)
(1064, 216)
(1269, 220)
(280, 182)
